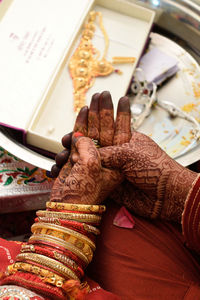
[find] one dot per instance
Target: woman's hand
(156, 186)
(84, 183)
(98, 124)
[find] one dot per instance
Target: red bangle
(83, 228)
(57, 255)
(61, 249)
(33, 282)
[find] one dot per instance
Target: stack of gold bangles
(59, 249)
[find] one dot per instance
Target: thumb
(86, 149)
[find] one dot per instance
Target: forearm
(191, 216)
(177, 186)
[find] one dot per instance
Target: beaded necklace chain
(85, 64)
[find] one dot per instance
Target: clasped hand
(129, 167)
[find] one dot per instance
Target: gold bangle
(57, 241)
(58, 256)
(70, 216)
(49, 263)
(45, 275)
(84, 247)
(76, 207)
(86, 227)
(62, 229)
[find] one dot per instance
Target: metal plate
(174, 134)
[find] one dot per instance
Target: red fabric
(191, 217)
(10, 249)
(149, 261)
(8, 252)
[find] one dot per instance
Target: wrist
(178, 184)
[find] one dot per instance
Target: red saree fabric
(191, 217)
(147, 262)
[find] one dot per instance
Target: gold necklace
(85, 64)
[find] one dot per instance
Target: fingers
(93, 118)
(80, 125)
(83, 183)
(123, 122)
(87, 150)
(82, 121)
(66, 140)
(106, 119)
(55, 170)
(60, 159)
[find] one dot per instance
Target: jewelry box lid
(33, 46)
(36, 85)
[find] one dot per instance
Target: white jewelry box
(37, 40)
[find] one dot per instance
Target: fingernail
(106, 100)
(78, 134)
(123, 104)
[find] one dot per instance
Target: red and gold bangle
(48, 262)
(86, 218)
(76, 207)
(55, 255)
(68, 211)
(45, 274)
(34, 282)
(60, 242)
(60, 249)
(68, 234)
(79, 244)
(83, 228)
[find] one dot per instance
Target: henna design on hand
(101, 129)
(81, 126)
(93, 118)
(83, 185)
(106, 117)
(123, 122)
(159, 183)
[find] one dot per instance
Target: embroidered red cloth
(23, 187)
(191, 217)
(10, 249)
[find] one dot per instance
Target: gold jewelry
(45, 275)
(68, 233)
(58, 256)
(85, 65)
(76, 207)
(49, 263)
(85, 248)
(17, 292)
(86, 227)
(90, 218)
(122, 60)
(58, 241)
(96, 142)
